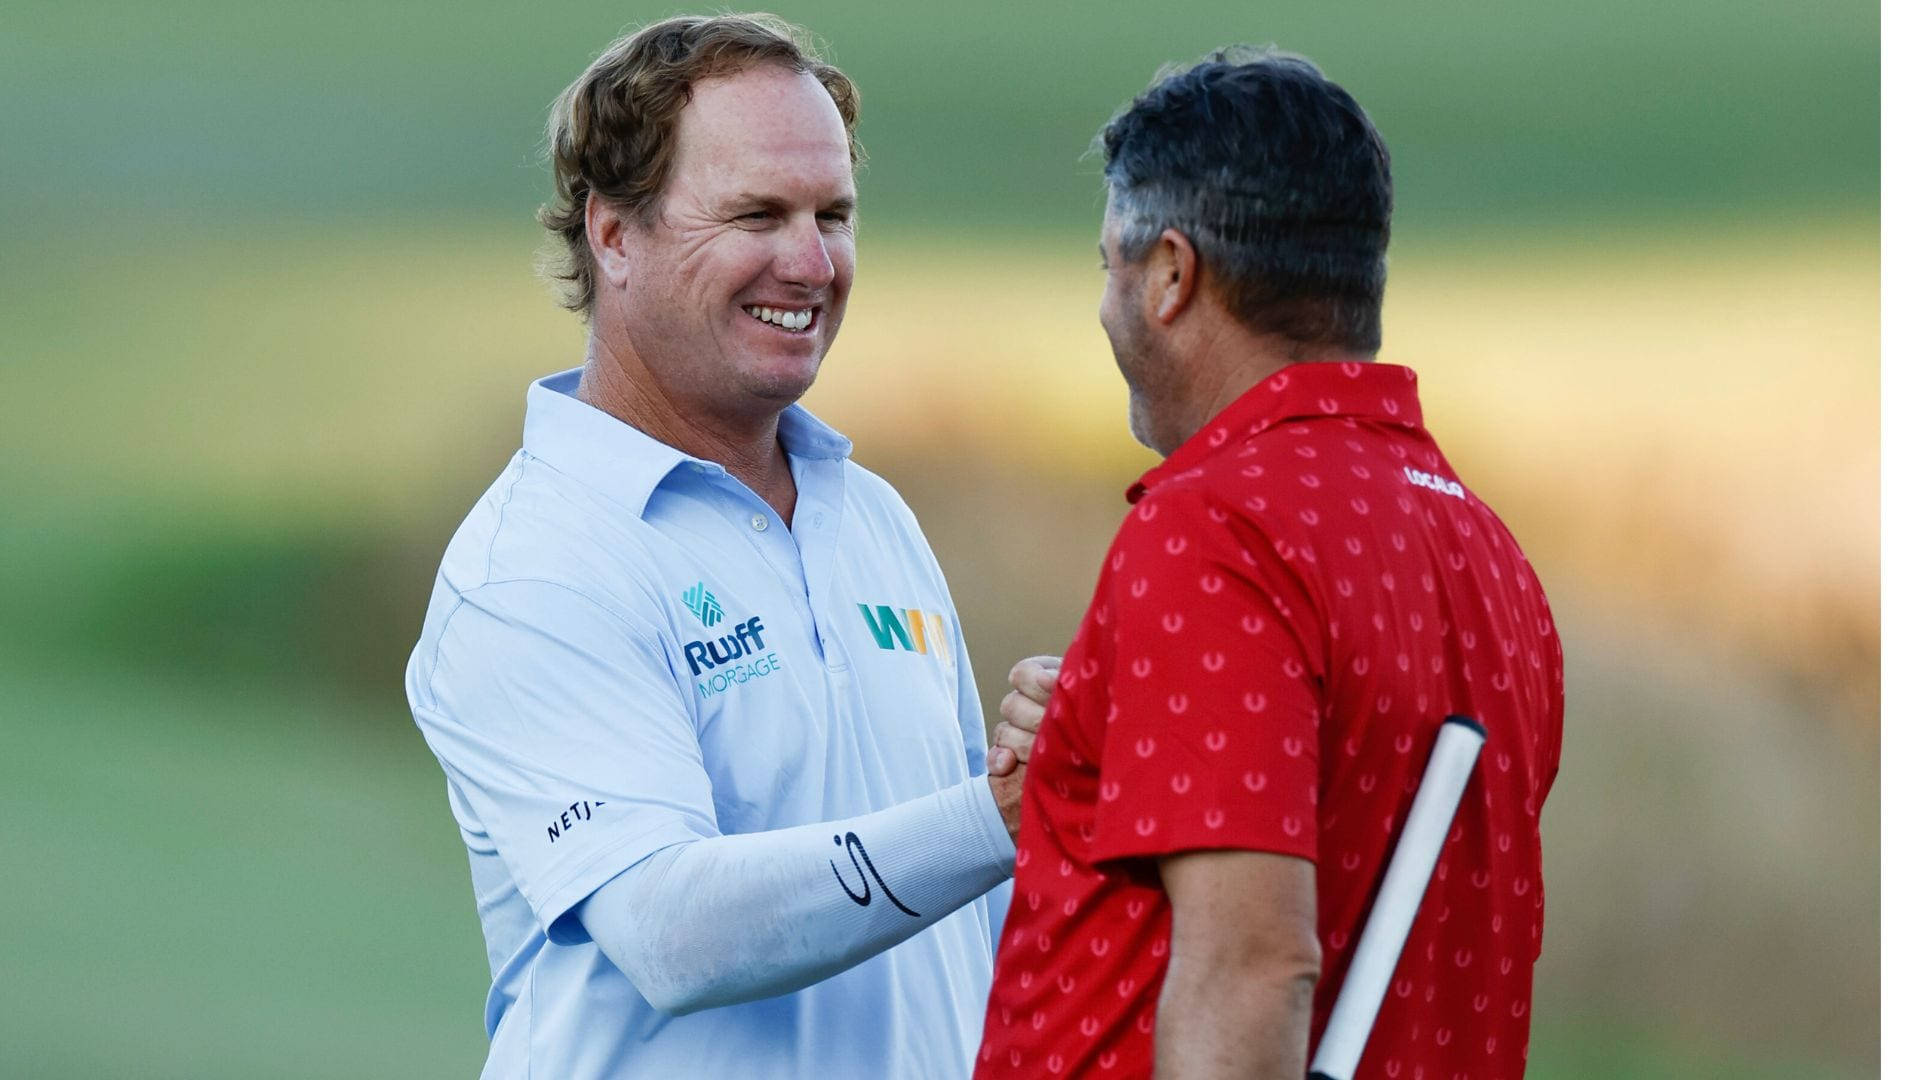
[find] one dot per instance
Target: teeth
(789, 320)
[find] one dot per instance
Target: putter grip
(1408, 872)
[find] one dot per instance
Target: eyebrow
(747, 200)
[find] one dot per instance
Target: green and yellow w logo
(908, 629)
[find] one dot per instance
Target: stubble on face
(757, 214)
(1141, 366)
(1137, 352)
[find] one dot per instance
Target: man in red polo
(1302, 592)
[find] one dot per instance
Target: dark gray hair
(1277, 177)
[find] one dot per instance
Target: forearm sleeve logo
(865, 895)
(702, 604)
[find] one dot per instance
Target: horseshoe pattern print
(1302, 592)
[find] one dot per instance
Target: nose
(804, 259)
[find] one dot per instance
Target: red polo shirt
(1302, 592)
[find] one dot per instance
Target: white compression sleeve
(735, 918)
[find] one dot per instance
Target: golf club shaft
(1408, 873)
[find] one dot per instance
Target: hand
(1033, 681)
(1006, 794)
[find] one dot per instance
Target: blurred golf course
(268, 312)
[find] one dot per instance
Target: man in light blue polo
(695, 678)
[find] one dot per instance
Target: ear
(608, 235)
(1172, 269)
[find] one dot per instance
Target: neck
(619, 383)
(1229, 365)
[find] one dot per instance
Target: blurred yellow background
(269, 314)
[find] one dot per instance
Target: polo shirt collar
(1375, 392)
(625, 463)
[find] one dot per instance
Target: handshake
(1033, 681)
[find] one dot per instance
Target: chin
(784, 382)
(782, 394)
(1140, 422)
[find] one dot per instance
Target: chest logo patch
(731, 659)
(909, 630)
(703, 604)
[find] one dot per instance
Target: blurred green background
(267, 313)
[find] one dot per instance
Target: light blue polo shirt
(627, 649)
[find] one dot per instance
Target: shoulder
(530, 632)
(871, 491)
(536, 524)
(1231, 518)
(874, 502)
(1234, 494)
(540, 552)
(881, 527)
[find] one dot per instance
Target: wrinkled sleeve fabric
(559, 721)
(1212, 739)
(747, 916)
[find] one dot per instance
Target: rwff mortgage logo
(908, 629)
(730, 659)
(702, 604)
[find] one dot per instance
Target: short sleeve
(560, 723)
(1212, 728)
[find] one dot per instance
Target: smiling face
(740, 277)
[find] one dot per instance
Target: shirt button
(759, 523)
(816, 520)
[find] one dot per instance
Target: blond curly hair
(612, 131)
